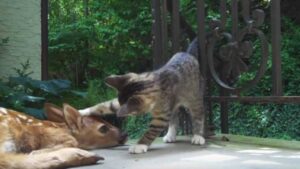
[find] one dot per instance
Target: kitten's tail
(104, 108)
(193, 48)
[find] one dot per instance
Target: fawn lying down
(55, 143)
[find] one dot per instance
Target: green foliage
(113, 37)
(28, 95)
(99, 92)
(24, 71)
(273, 121)
(89, 41)
(136, 126)
(96, 92)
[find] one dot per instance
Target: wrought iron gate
(224, 52)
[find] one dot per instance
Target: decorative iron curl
(237, 50)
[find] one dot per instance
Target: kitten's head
(136, 92)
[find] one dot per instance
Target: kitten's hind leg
(198, 119)
(170, 137)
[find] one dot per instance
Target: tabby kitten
(112, 106)
(161, 92)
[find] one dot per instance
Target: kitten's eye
(103, 129)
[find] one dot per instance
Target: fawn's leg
(55, 140)
(61, 158)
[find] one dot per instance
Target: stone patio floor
(216, 154)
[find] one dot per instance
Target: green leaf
(33, 99)
(79, 93)
(37, 113)
(54, 87)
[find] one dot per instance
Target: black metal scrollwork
(235, 54)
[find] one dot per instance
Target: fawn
(55, 143)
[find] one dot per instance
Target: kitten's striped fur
(161, 92)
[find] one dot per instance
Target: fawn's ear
(72, 117)
(54, 113)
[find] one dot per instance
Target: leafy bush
(28, 95)
(114, 37)
(96, 92)
(274, 121)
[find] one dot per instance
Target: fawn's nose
(123, 138)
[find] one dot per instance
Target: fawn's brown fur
(53, 144)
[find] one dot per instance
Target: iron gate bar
(246, 10)
(276, 38)
(223, 10)
(184, 26)
(157, 34)
(256, 99)
(44, 39)
(201, 36)
(203, 60)
(223, 92)
(175, 26)
(164, 31)
(235, 19)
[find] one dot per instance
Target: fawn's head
(90, 131)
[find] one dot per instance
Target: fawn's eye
(103, 129)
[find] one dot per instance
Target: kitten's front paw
(138, 149)
(169, 138)
(84, 112)
(197, 139)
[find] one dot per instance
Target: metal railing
(224, 53)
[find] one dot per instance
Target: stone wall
(20, 22)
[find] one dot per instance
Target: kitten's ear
(118, 81)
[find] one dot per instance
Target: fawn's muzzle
(123, 138)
